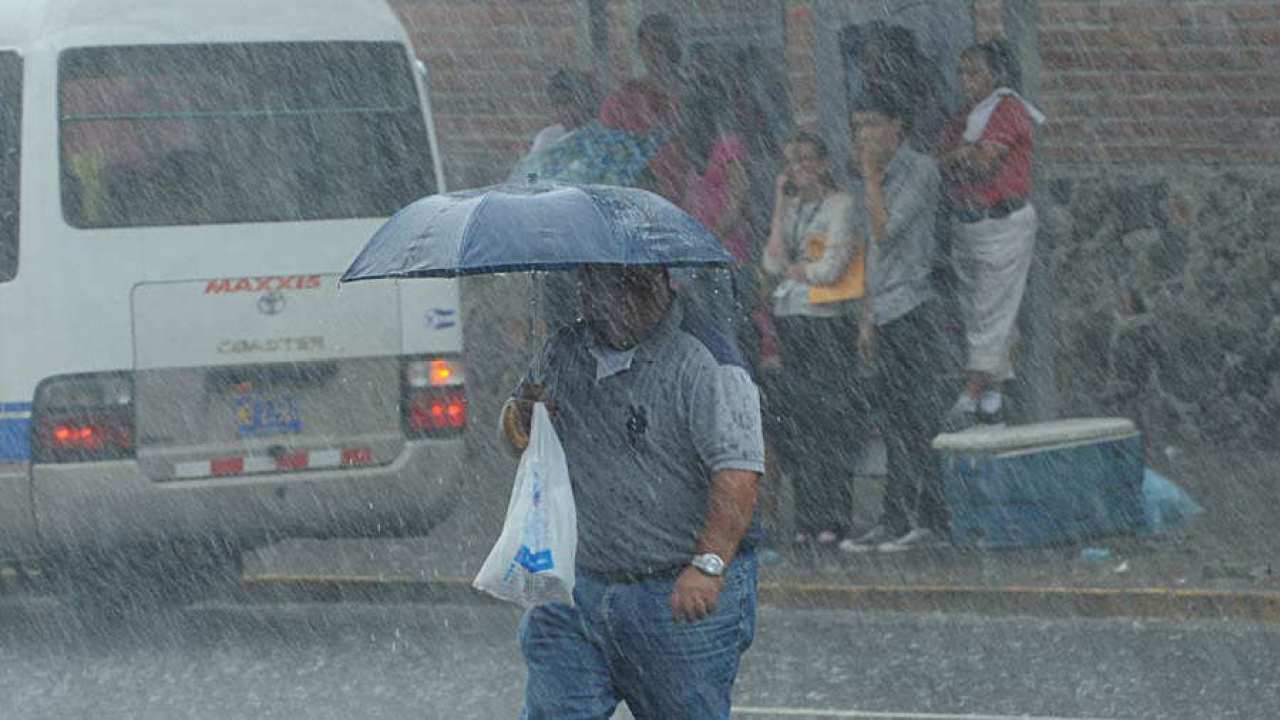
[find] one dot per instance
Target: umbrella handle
(535, 312)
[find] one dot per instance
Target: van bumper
(100, 506)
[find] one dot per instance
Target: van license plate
(258, 415)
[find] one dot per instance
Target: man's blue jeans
(619, 642)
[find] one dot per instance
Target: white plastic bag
(532, 562)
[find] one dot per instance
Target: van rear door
(260, 372)
(236, 376)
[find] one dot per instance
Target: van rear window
(233, 133)
(10, 160)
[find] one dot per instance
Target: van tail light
(431, 412)
(434, 397)
(80, 418)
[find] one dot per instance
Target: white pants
(991, 261)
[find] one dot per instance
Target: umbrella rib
(466, 228)
(613, 230)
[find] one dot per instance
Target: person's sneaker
(827, 537)
(867, 541)
(915, 540)
(991, 409)
(802, 538)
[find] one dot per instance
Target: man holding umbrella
(660, 425)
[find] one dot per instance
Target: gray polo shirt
(900, 265)
(643, 435)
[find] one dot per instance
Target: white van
(181, 183)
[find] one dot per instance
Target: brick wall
(988, 18)
(620, 61)
(489, 62)
(801, 68)
(1160, 82)
(1125, 81)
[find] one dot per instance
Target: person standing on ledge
(986, 162)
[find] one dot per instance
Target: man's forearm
(730, 506)
(773, 253)
(873, 188)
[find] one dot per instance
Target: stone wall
(1162, 222)
(1166, 292)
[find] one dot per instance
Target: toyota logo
(272, 303)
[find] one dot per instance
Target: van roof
(64, 23)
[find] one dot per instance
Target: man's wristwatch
(709, 564)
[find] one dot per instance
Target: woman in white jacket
(815, 256)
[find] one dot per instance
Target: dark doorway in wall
(843, 27)
(883, 52)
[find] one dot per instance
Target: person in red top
(652, 102)
(986, 165)
(716, 147)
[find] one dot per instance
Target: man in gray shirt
(660, 425)
(901, 337)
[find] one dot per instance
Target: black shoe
(990, 418)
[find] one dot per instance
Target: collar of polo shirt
(648, 349)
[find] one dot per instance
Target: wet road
(227, 659)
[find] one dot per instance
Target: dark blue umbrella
(536, 226)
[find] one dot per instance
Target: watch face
(709, 563)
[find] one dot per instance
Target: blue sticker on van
(15, 432)
(440, 318)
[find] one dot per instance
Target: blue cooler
(1043, 483)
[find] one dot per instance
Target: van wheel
(144, 579)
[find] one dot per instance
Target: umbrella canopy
(536, 226)
(593, 154)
